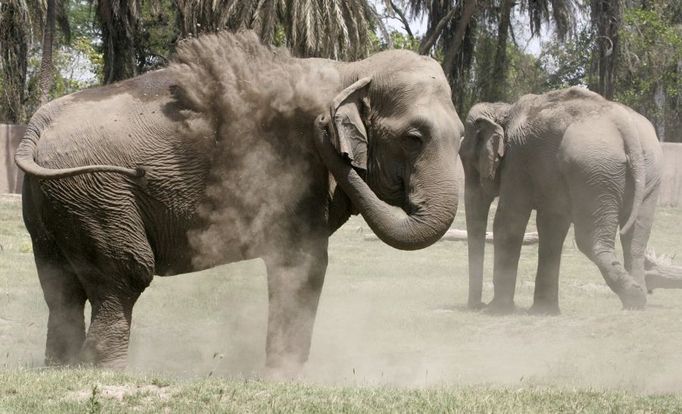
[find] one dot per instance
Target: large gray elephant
(576, 158)
(224, 156)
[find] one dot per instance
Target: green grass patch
(90, 391)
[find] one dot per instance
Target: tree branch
(402, 17)
(468, 11)
(427, 42)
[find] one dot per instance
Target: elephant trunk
(477, 203)
(432, 204)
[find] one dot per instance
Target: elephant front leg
(552, 230)
(295, 282)
(508, 229)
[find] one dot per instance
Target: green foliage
(402, 41)
(157, 36)
(94, 406)
(399, 40)
(280, 36)
(525, 74)
(567, 63)
(649, 74)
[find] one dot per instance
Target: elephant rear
(111, 186)
(598, 166)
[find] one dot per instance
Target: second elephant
(575, 157)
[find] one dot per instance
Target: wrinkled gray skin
(574, 157)
(101, 233)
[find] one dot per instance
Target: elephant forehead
(409, 94)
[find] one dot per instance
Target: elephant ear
(491, 144)
(349, 134)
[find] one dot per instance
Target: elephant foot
(498, 307)
(633, 296)
(283, 371)
(546, 309)
(475, 305)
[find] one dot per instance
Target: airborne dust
(398, 318)
(261, 101)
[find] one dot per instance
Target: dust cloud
(260, 102)
(396, 318)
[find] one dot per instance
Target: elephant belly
(177, 253)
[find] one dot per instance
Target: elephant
(574, 157)
(235, 151)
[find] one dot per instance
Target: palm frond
(324, 28)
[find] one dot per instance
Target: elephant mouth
(394, 194)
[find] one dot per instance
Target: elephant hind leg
(112, 290)
(65, 299)
(595, 234)
(635, 242)
(106, 344)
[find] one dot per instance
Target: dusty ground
(386, 318)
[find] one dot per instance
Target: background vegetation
(627, 50)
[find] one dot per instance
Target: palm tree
(560, 12)
(55, 11)
(46, 66)
(454, 25)
(20, 22)
(119, 22)
(337, 29)
(607, 18)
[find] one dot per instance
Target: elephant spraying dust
(235, 151)
(575, 158)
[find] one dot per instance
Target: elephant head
(391, 141)
(482, 154)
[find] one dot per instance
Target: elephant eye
(415, 135)
(413, 140)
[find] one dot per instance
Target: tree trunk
(606, 17)
(497, 83)
(403, 19)
(432, 35)
(661, 275)
(659, 102)
(119, 29)
(452, 50)
(46, 66)
(13, 63)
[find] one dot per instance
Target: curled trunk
(434, 203)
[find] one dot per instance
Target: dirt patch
(119, 392)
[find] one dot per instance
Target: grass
(392, 334)
(97, 391)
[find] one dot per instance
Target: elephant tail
(25, 159)
(635, 157)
